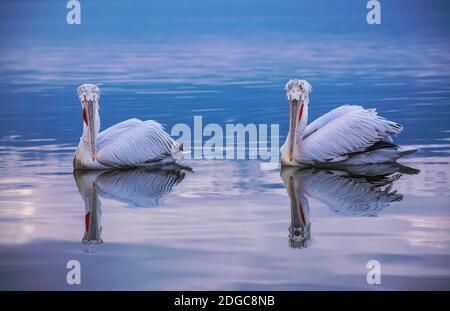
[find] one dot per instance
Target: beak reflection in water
(300, 229)
(92, 218)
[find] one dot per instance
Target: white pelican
(347, 135)
(131, 143)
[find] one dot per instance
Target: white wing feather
(105, 136)
(343, 131)
(133, 143)
(327, 118)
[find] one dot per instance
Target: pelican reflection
(137, 187)
(353, 191)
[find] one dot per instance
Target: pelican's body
(131, 143)
(347, 135)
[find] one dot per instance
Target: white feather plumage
(134, 143)
(345, 130)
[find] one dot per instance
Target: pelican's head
(298, 90)
(298, 95)
(89, 95)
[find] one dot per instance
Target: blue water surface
(228, 224)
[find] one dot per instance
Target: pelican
(346, 136)
(131, 143)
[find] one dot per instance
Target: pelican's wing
(138, 187)
(116, 130)
(326, 118)
(348, 195)
(344, 131)
(134, 142)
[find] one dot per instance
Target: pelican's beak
(294, 119)
(90, 110)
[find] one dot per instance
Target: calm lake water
(228, 224)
